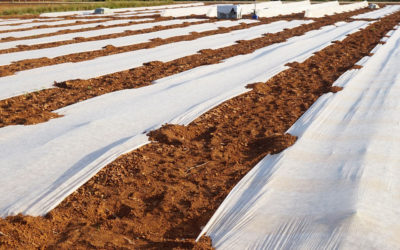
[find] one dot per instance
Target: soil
(161, 195)
(37, 107)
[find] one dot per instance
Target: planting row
(84, 134)
(337, 186)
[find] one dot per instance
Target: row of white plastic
(311, 10)
(285, 9)
(272, 9)
(211, 10)
(42, 164)
(338, 186)
(92, 33)
(22, 21)
(117, 42)
(48, 23)
(35, 32)
(162, 7)
(44, 77)
(335, 8)
(387, 10)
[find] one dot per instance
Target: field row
(338, 182)
(82, 162)
(112, 95)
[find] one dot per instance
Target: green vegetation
(22, 8)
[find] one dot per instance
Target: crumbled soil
(161, 195)
(37, 107)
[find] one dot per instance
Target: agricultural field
(166, 127)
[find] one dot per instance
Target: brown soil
(38, 106)
(160, 195)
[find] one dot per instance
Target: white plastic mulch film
(81, 142)
(92, 33)
(117, 42)
(44, 77)
(338, 185)
(387, 10)
(85, 12)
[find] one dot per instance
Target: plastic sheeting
(248, 9)
(387, 10)
(44, 22)
(34, 32)
(334, 9)
(338, 186)
(179, 12)
(140, 14)
(284, 9)
(92, 33)
(44, 77)
(64, 153)
(117, 42)
(71, 13)
(211, 10)
(23, 21)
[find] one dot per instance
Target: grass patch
(7, 9)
